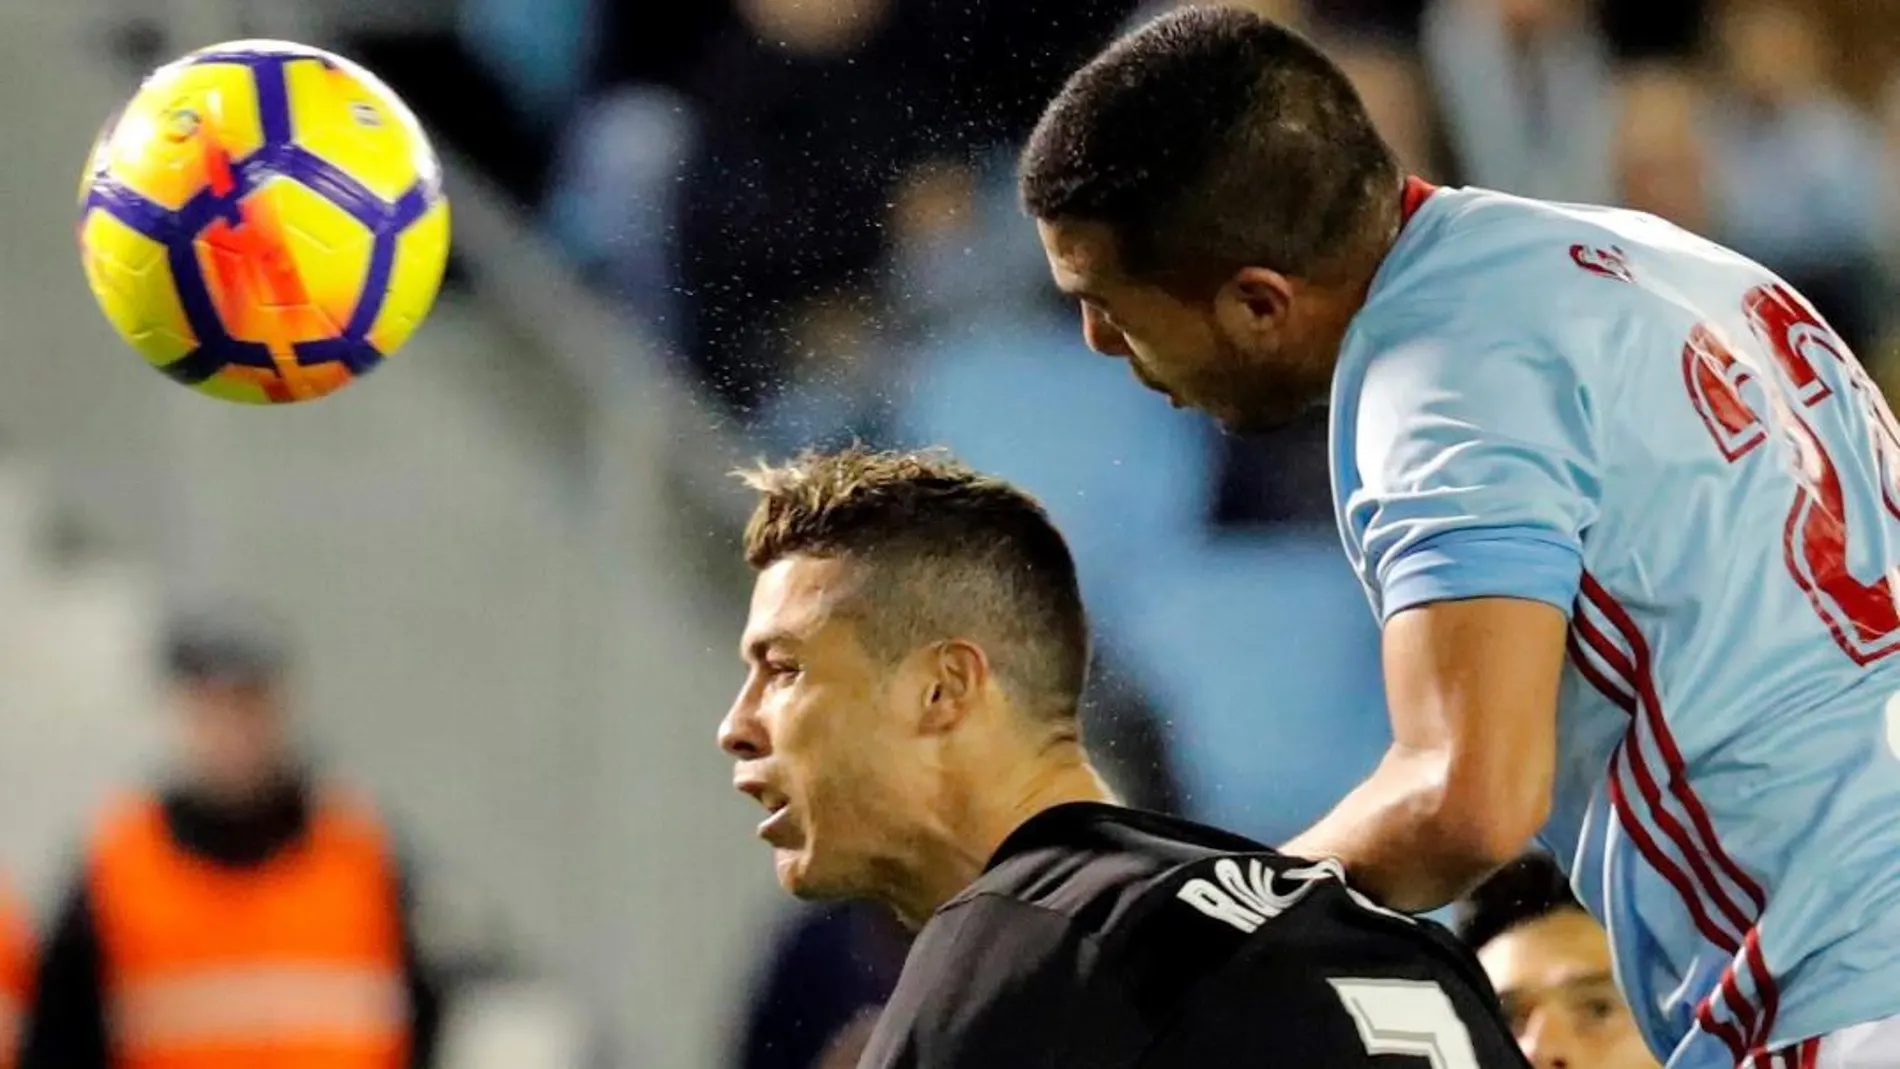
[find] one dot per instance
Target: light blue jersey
(1595, 409)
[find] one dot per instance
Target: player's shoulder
(1479, 279)
(1092, 863)
(1124, 919)
(1475, 261)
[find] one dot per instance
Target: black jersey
(1101, 937)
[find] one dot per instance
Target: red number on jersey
(1862, 617)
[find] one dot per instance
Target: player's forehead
(795, 600)
(1556, 950)
(1082, 256)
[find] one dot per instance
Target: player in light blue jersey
(1626, 508)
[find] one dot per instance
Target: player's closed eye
(1599, 1009)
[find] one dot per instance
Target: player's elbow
(1488, 817)
(1490, 829)
(1491, 841)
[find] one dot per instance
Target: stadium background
(690, 233)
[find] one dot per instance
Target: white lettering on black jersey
(1107, 938)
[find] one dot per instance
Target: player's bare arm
(1472, 687)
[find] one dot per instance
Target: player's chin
(819, 875)
(801, 876)
(789, 867)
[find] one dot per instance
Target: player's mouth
(777, 824)
(777, 805)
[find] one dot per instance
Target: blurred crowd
(808, 207)
(794, 193)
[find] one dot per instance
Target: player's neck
(984, 814)
(1059, 777)
(1356, 287)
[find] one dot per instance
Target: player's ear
(1254, 302)
(959, 673)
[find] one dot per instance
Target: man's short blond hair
(949, 553)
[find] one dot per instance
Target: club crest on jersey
(1612, 262)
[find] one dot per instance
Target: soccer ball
(263, 222)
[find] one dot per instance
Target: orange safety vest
(294, 964)
(16, 974)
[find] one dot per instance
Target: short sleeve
(1477, 471)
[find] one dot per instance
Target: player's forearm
(1404, 838)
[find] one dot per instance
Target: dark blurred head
(815, 27)
(1550, 963)
(916, 638)
(1213, 192)
(227, 674)
(1773, 52)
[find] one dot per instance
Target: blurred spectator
(1524, 86)
(613, 195)
(809, 114)
(1890, 129)
(16, 973)
(1550, 963)
(1867, 44)
(1394, 22)
(832, 966)
(835, 371)
(803, 131)
(1277, 477)
(1798, 176)
(246, 916)
(940, 234)
(1885, 361)
(1661, 152)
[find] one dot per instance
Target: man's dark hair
(1530, 888)
(949, 552)
(1212, 139)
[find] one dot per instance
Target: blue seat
(1266, 659)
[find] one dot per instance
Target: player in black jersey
(916, 650)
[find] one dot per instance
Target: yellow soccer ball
(263, 222)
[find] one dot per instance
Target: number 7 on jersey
(1413, 1018)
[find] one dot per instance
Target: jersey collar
(1417, 192)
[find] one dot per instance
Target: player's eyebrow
(1067, 285)
(1594, 979)
(755, 648)
(1568, 983)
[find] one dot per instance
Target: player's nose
(1101, 336)
(1546, 1041)
(742, 734)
